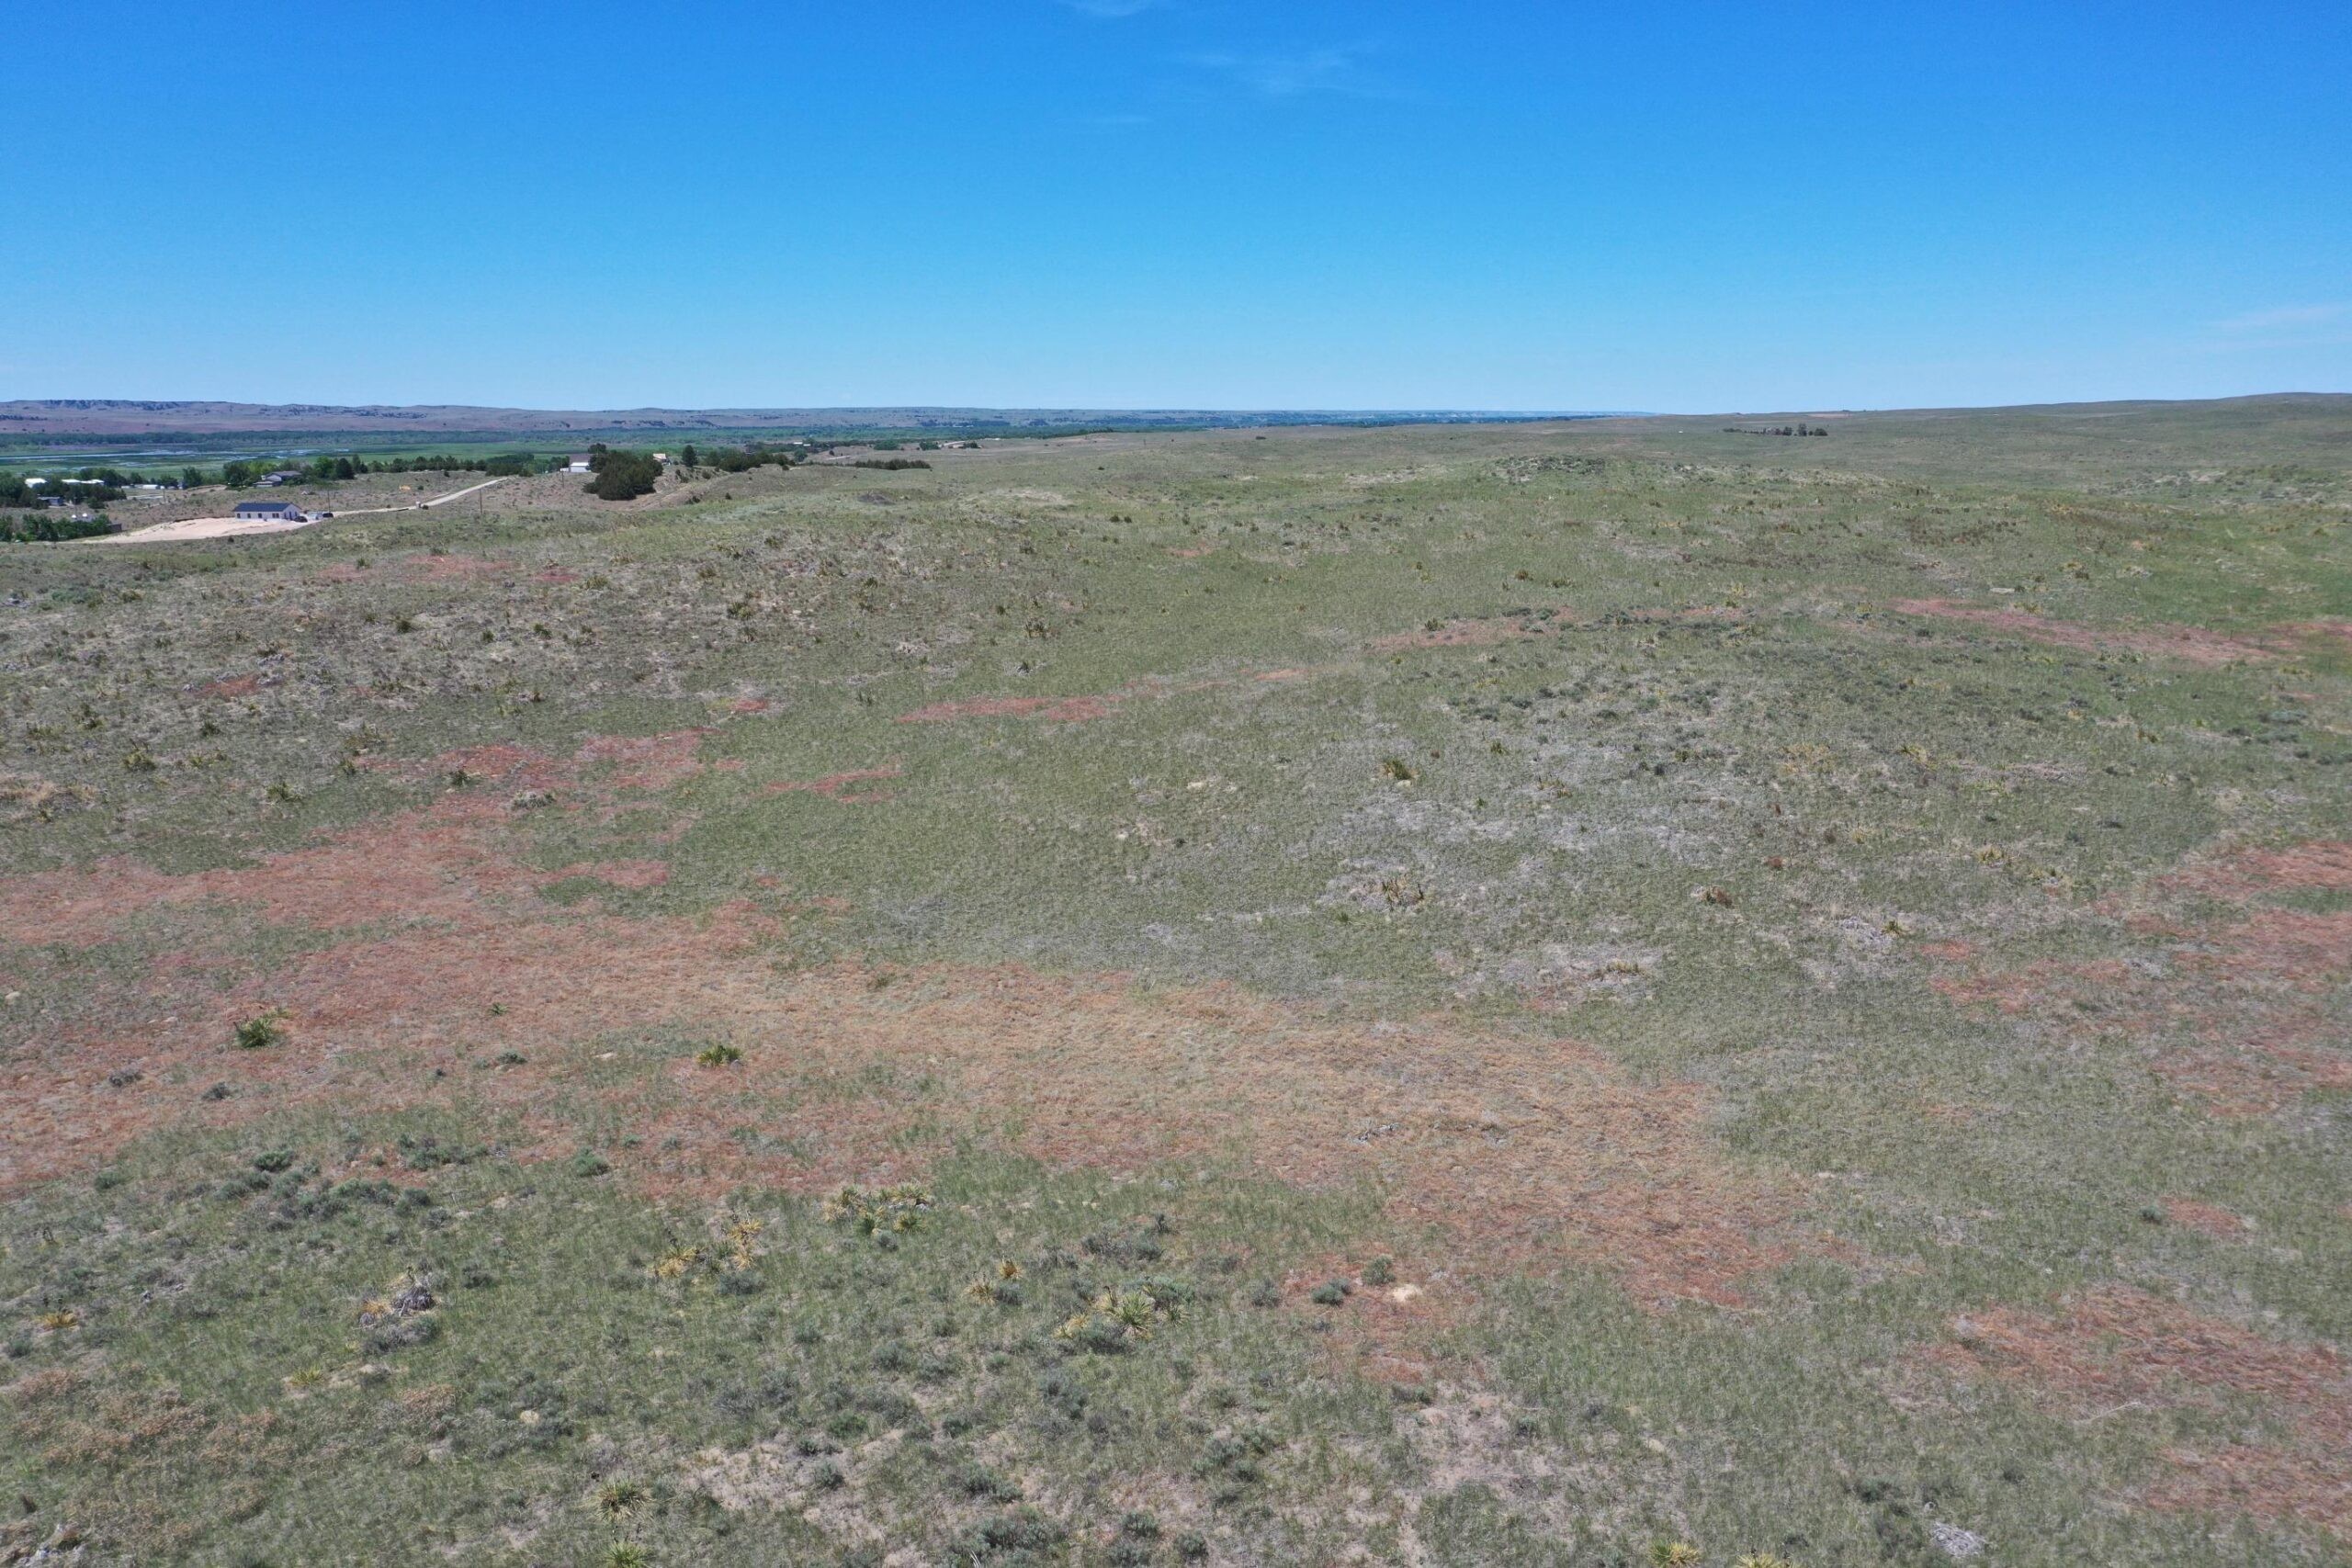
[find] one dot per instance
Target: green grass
(1699, 796)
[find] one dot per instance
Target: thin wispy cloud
(1319, 71)
(2285, 320)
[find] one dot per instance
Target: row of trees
(328, 471)
(619, 475)
(97, 487)
(1776, 430)
(739, 459)
(625, 476)
(48, 527)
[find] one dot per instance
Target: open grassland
(1615, 993)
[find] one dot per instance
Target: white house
(579, 464)
(270, 512)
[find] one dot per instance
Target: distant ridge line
(157, 416)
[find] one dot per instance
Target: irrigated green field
(1612, 993)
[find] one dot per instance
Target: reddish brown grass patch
(2244, 1012)
(2115, 1347)
(1523, 1149)
(648, 763)
(836, 786)
(1464, 633)
(2322, 631)
(634, 873)
(1053, 710)
(454, 568)
(2192, 645)
(2210, 1219)
(2242, 874)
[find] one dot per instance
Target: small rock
(1957, 1542)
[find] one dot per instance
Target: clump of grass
(620, 1500)
(677, 1265)
(890, 1211)
(979, 1481)
(719, 1055)
(1380, 1272)
(1020, 1536)
(1003, 1288)
(588, 1163)
(257, 1033)
(1115, 1318)
(1331, 1293)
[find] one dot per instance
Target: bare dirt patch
(2115, 1348)
(2192, 645)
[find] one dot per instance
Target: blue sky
(1177, 203)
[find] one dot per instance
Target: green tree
(623, 476)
